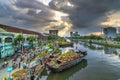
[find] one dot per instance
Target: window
(8, 40)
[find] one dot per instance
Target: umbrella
(10, 69)
(47, 47)
(27, 45)
(50, 49)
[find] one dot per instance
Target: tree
(31, 39)
(19, 38)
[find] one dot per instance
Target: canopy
(50, 49)
(33, 64)
(47, 47)
(10, 69)
(27, 45)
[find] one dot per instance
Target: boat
(65, 44)
(65, 65)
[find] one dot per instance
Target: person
(5, 78)
(24, 65)
(21, 58)
(13, 65)
(32, 77)
(41, 61)
(19, 65)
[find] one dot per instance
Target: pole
(22, 44)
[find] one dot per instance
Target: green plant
(19, 37)
(31, 39)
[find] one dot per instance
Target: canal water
(101, 63)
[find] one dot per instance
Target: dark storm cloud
(4, 10)
(33, 4)
(35, 13)
(86, 12)
(32, 17)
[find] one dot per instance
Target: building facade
(110, 32)
(6, 43)
(53, 32)
(7, 39)
(74, 34)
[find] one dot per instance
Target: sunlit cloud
(113, 20)
(61, 24)
(65, 15)
(45, 2)
(58, 15)
(69, 4)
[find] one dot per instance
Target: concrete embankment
(108, 43)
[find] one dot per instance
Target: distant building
(74, 34)
(17, 31)
(7, 39)
(110, 32)
(53, 32)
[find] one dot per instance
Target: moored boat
(67, 44)
(57, 65)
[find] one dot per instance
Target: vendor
(32, 77)
(51, 56)
(24, 65)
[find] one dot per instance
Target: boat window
(0, 40)
(8, 40)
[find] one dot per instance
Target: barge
(65, 65)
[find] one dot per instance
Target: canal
(101, 63)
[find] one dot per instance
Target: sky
(84, 16)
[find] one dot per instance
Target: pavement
(3, 71)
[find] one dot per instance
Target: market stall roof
(17, 30)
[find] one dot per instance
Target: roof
(18, 30)
(45, 34)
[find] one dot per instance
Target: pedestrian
(13, 65)
(19, 65)
(20, 57)
(41, 61)
(32, 77)
(24, 65)
(5, 78)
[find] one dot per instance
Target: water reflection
(103, 64)
(65, 75)
(115, 51)
(107, 50)
(92, 46)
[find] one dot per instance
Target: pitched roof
(18, 30)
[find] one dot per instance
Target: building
(7, 36)
(6, 43)
(110, 32)
(17, 31)
(53, 32)
(74, 34)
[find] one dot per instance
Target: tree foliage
(19, 37)
(91, 37)
(116, 39)
(31, 39)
